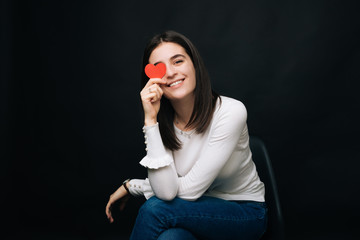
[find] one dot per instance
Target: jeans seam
(237, 219)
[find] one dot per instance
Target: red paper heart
(157, 71)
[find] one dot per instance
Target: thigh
(209, 217)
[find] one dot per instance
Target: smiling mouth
(175, 83)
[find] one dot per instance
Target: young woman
(202, 182)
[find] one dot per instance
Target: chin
(177, 96)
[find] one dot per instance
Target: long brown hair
(205, 97)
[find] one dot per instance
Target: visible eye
(178, 61)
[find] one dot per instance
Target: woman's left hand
(119, 195)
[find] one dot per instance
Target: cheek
(193, 78)
(193, 73)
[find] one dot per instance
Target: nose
(170, 72)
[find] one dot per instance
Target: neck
(183, 110)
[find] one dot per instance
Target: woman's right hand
(119, 195)
(150, 97)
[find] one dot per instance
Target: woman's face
(180, 72)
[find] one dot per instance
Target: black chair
(275, 230)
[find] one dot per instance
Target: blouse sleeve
(225, 133)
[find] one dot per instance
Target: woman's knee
(176, 234)
(154, 207)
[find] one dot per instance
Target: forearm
(161, 182)
(164, 182)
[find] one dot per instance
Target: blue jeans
(205, 218)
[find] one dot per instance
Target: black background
(71, 115)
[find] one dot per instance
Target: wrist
(150, 122)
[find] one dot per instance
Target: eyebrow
(173, 57)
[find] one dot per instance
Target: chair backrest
(264, 168)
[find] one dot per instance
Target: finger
(158, 93)
(107, 210)
(156, 88)
(159, 81)
(150, 97)
(147, 93)
(154, 81)
(109, 216)
(150, 88)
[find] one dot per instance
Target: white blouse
(215, 163)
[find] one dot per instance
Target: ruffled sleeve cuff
(157, 156)
(156, 163)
